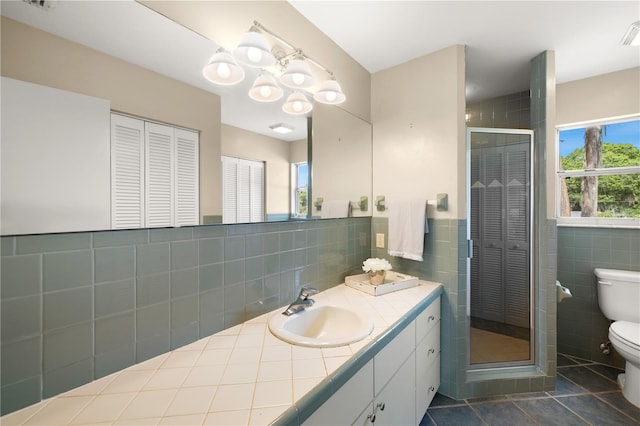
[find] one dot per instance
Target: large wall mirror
(149, 66)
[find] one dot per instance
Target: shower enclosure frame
(489, 368)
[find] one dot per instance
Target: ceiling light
(281, 128)
(297, 104)
(330, 93)
(631, 36)
(298, 75)
(265, 89)
(253, 50)
(223, 69)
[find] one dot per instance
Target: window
(599, 173)
(299, 185)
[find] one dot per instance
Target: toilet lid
(629, 332)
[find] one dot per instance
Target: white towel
(407, 226)
(332, 209)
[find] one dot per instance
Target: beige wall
(274, 153)
(341, 158)
(39, 57)
(417, 111)
(609, 95)
(224, 22)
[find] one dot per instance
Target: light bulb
(331, 96)
(297, 106)
(265, 91)
(254, 55)
(298, 78)
(223, 70)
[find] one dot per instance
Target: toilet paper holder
(563, 292)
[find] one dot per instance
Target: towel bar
(441, 202)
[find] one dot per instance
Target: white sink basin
(321, 326)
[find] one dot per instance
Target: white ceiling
(501, 38)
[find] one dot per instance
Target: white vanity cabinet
(397, 385)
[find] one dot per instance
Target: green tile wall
(581, 324)
(76, 307)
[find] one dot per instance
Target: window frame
(295, 187)
(600, 222)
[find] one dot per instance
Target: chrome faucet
(303, 301)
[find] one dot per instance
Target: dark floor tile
(440, 400)
(594, 410)
(609, 372)
(578, 360)
(564, 361)
(503, 413)
(618, 401)
(426, 420)
(548, 411)
(586, 378)
(450, 416)
(566, 387)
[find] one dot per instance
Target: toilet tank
(619, 294)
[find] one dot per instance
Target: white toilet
(619, 300)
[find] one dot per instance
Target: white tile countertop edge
(240, 376)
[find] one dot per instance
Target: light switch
(379, 240)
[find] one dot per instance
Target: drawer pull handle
(372, 418)
(381, 406)
(431, 318)
(432, 388)
(431, 351)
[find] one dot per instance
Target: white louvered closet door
(159, 175)
(127, 172)
(187, 209)
(257, 192)
(243, 190)
(229, 195)
(517, 293)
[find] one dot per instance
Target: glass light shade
(223, 69)
(253, 50)
(265, 89)
(330, 93)
(297, 104)
(297, 75)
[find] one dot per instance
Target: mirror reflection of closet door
(500, 231)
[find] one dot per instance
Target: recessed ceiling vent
(42, 4)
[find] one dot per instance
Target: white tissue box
(393, 281)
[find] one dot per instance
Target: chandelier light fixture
(253, 51)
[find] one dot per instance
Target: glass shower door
(500, 223)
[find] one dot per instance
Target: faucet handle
(305, 292)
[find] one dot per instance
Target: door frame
(468, 183)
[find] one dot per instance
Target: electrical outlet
(379, 240)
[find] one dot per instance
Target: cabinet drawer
(429, 348)
(427, 319)
(427, 384)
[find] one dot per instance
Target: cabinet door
(187, 209)
(348, 402)
(159, 172)
(127, 172)
(398, 397)
(391, 357)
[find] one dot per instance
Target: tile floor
(586, 394)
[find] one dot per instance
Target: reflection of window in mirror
(299, 187)
(242, 190)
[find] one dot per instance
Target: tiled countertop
(240, 376)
